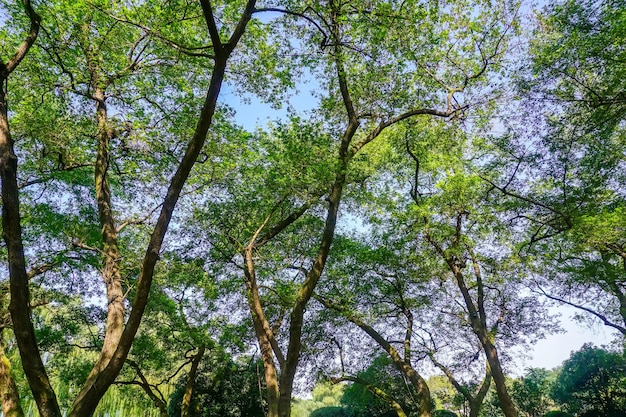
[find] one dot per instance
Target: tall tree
(119, 335)
(565, 175)
(12, 232)
(376, 76)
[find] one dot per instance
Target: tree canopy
(459, 175)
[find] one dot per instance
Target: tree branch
(603, 318)
(22, 50)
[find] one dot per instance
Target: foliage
(557, 414)
(532, 391)
(383, 374)
(332, 412)
(223, 387)
(394, 199)
(592, 380)
(444, 413)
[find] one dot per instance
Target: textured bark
(90, 395)
(348, 148)
(264, 334)
(110, 272)
(12, 234)
(191, 380)
(18, 277)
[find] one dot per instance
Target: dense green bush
(557, 414)
(444, 413)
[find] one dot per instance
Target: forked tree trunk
(477, 313)
(479, 326)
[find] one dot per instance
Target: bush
(444, 413)
(557, 414)
(331, 412)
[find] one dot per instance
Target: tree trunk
(90, 395)
(506, 403)
(18, 277)
(479, 326)
(191, 379)
(263, 334)
(12, 233)
(418, 382)
(111, 273)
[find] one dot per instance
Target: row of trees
(454, 179)
(590, 382)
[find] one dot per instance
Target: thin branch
(297, 14)
(210, 22)
(283, 224)
(406, 115)
(374, 390)
(603, 318)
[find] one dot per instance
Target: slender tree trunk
(90, 395)
(191, 379)
(474, 406)
(404, 366)
(9, 393)
(477, 314)
(479, 398)
(479, 326)
(475, 400)
(263, 334)
(157, 400)
(506, 403)
(111, 273)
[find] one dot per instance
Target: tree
(119, 335)
(373, 290)
(451, 212)
(354, 114)
(381, 389)
(565, 175)
(532, 392)
(12, 232)
(592, 380)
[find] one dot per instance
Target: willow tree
(96, 49)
